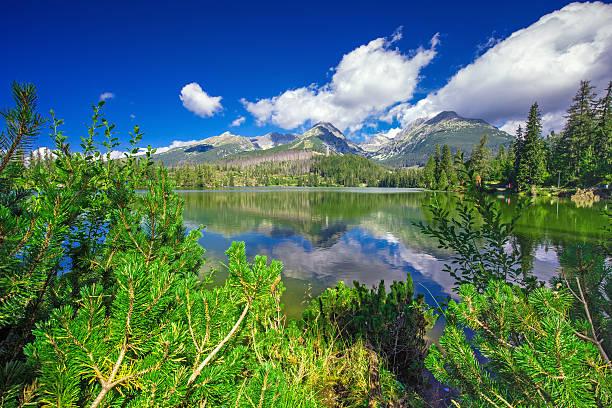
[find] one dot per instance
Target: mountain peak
(443, 116)
(447, 116)
(323, 127)
(227, 133)
(327, 125)
(416, 142)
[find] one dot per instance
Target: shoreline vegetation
(101, 303)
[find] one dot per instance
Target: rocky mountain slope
(207, 150)
(415, 143)
(324, 135)
(273, 139)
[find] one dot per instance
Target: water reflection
(326, 235)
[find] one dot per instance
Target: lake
(324, 235)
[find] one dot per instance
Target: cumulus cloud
(196, 100)
(107, 95)
(175, 144)
(116, 154)
(238, 121)
(366, 82)
(40, 153)
(391, 133)
(544, 62)
(132, 116)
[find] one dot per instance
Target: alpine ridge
(411, 146)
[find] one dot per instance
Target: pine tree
(508, 168)
(519, 148)
(437, 160)
(499, 163)
(447, 167)
(459, 166)
(534, 353)
(532, 168)
(429, 175)
(480, 158)
(576, 145)
(442, 181)
(603, 137)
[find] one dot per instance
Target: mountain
(273, 139)
(324, 135)
(375, 143)
(207, 150)
(411, 146)
(233, 148)
(415, 143)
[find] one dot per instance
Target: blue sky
(367, 67)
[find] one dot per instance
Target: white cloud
(491, 41)
(175, 144)
(238, 121)
(107, 95)
(115, 154)
(512, 125)
(40, 153)
(550, 121)
(366, 82)
(391, 133)
(196, 100)
(544, 62)
(132, 116)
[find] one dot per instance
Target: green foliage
(479, 160)
(588, 276)
(534, 354)
(23, 124)
(348, 170)
(446, 166)
(102, 303)
(581, 153)
(520, 346)
(479, 236)
(295, 169)
(529, 152)
(429, 173)
(393, 323)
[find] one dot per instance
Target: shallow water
(323, 235)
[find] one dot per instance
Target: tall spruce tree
(518, 155)
(429, 173)
(531, 168)
(436, 157)
(508, 169)
(446, 165)
(480, 158)
(576, 145)
(499, 163)
(603, 137)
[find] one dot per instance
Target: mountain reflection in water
(326, 235)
